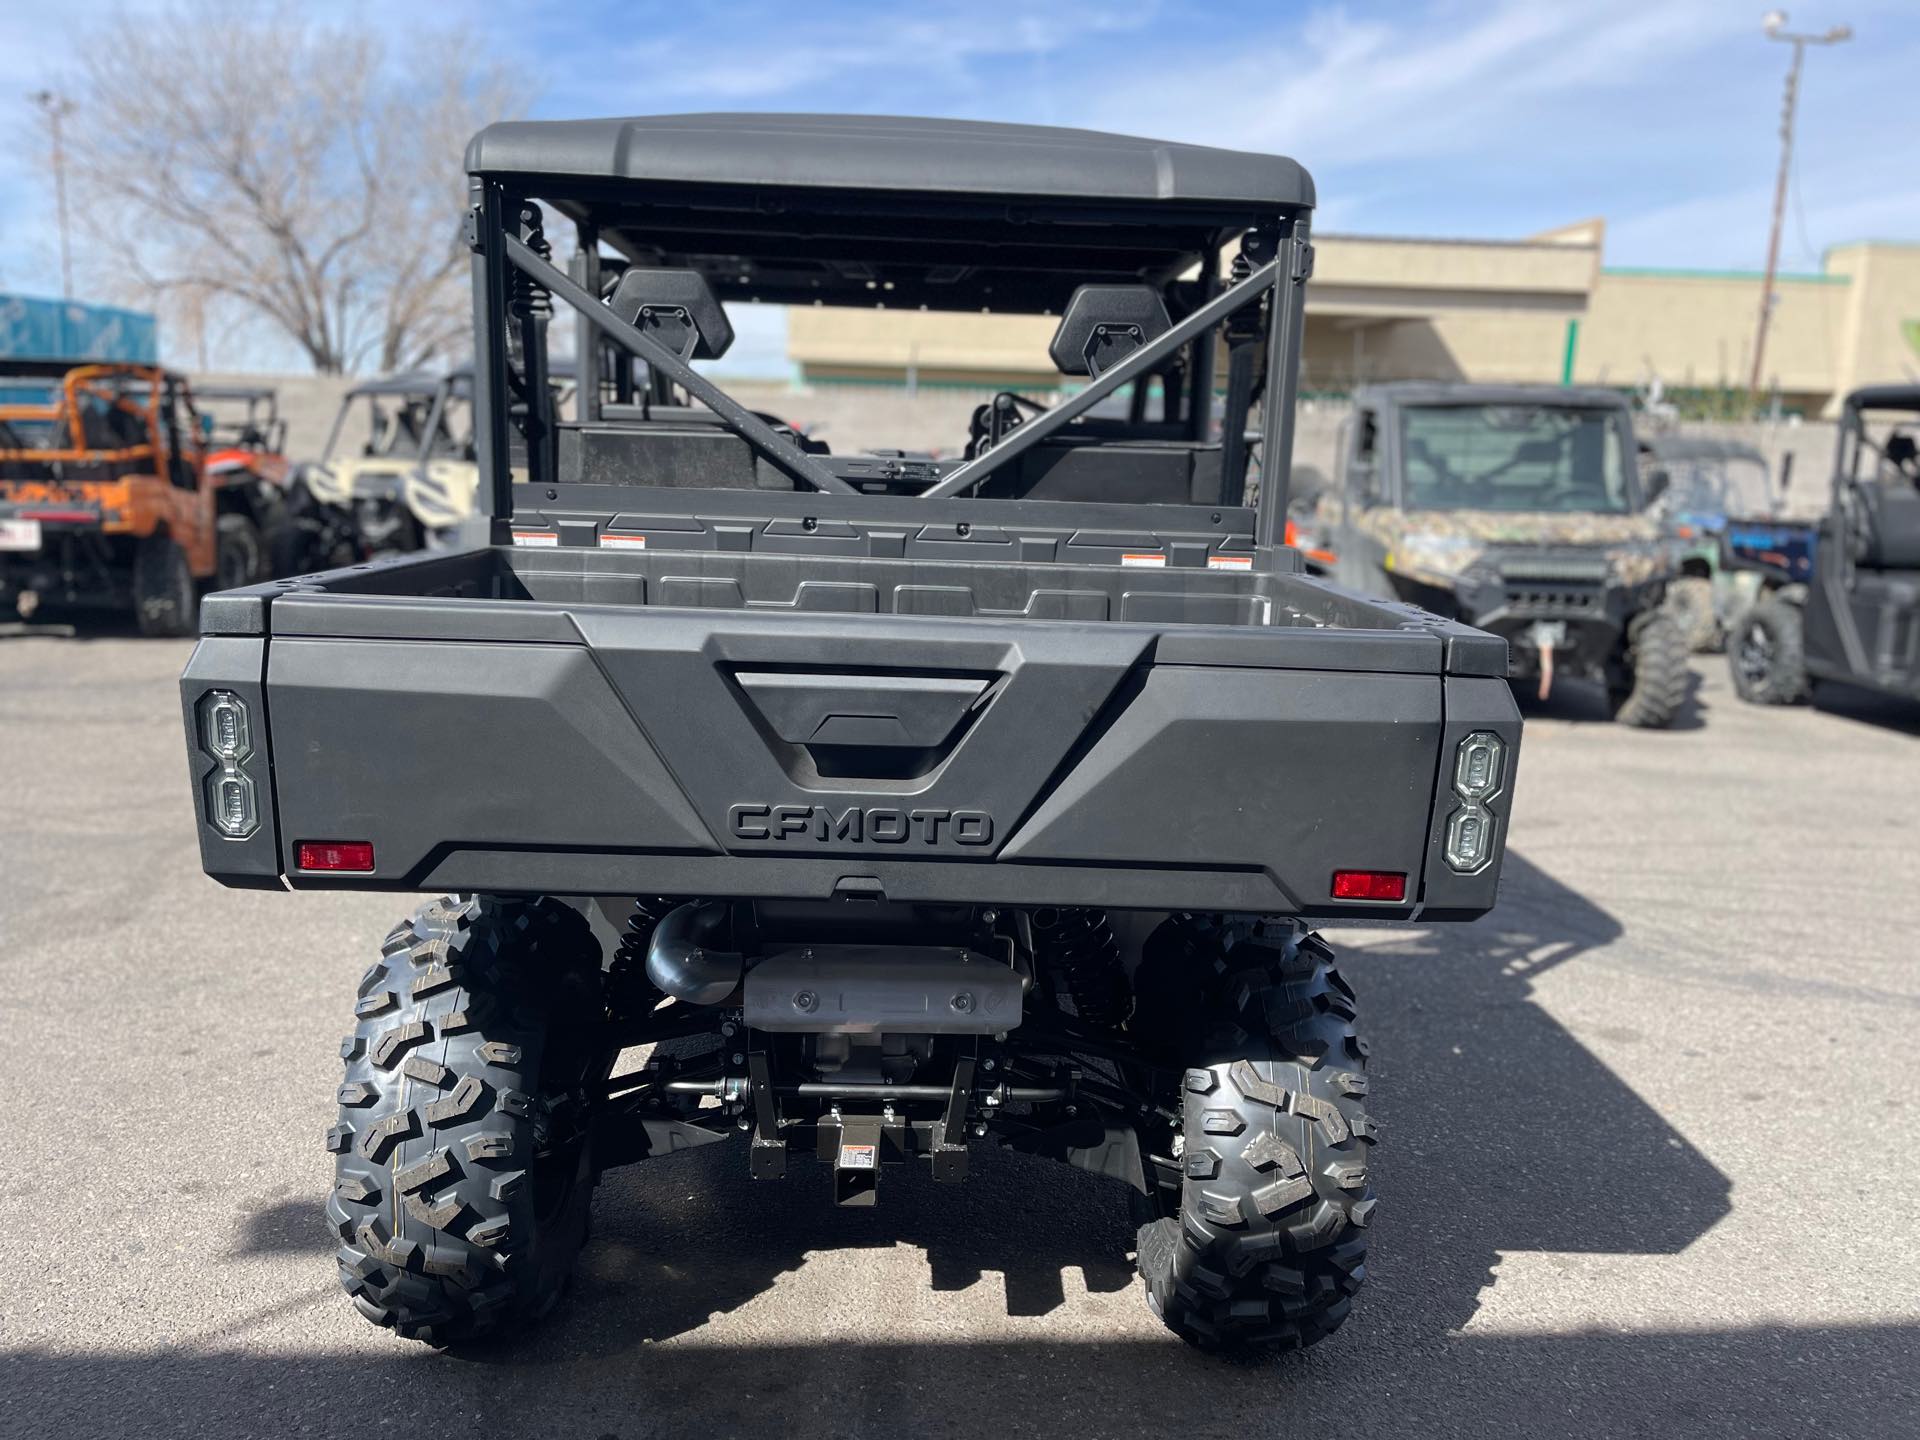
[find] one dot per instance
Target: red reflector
(60, 517)
(1389, 885)
(336, 855)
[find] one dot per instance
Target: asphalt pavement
(1650, 1166)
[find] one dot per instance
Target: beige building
(1545, 309)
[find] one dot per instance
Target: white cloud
(819, 60)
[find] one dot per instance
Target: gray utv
(1517, 509)
(895, 808)
(1841, 601)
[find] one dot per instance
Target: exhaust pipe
(682, 961)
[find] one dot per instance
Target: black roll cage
(515, 278)
(262, 416)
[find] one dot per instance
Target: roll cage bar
(147, 394)
(1854, 442)
(441, 391)
(515, 280)
(260, 420)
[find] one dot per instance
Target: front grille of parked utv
(1543, 585)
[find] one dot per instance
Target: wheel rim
(1755, 656)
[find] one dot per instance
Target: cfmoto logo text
(878, 825)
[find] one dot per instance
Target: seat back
(1892, 539)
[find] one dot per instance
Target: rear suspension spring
(1078, 949)
(627, 981)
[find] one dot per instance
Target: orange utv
(107, 501)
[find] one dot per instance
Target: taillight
(339, 855)
(1386, 885)
(226, 736)
(1479, 767)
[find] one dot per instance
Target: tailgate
(620, 751)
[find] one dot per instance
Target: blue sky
(1428, 117)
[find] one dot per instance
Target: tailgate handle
(841, 711)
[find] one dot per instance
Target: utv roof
(1454, 392)
(888, 153)
(1885, 397)
(871, 210)
(36, 368)
(414, 382)
(426, 382)
(235, 392)
(32, 367)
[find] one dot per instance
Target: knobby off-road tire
(163, 602)
(241, 556)
(1269, 1245)
(464, 1167)
(1690, 598)
(1767, 653)
(1655, 682)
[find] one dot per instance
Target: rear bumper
(602, 749)
(54, 517)
(77, 562)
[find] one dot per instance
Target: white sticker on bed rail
(623, 542)
(537, 539)
(1144, 562)
(1229, 562)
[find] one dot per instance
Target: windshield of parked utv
(1514, 457)
(1736, 485)
(398, 428)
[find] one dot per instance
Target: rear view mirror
(1657, 484)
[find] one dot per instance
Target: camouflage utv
(1519, 510)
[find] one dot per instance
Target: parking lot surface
(1650, 1159)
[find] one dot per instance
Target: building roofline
(1669, 272)
(1462, 241)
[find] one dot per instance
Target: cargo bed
(730, 709)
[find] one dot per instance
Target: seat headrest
(1103, 324)
(675, 307)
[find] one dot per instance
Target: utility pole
(1775, 25)
(57, 107)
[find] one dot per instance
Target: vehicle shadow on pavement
(1500, 1130)
(1502, 1133)
(1868, 707)
(1584, 702)
(89, 625)
(1770, 1380)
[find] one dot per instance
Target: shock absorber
(1079, 951)
(627, 979)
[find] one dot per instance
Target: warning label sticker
(537, 539)
(623, 542)
(859, 1157)
(1152, 560)
(1229, 562)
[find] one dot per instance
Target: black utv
(892, 808)
(1517, 509)
(1853, 617)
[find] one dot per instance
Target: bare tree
(251, 160)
